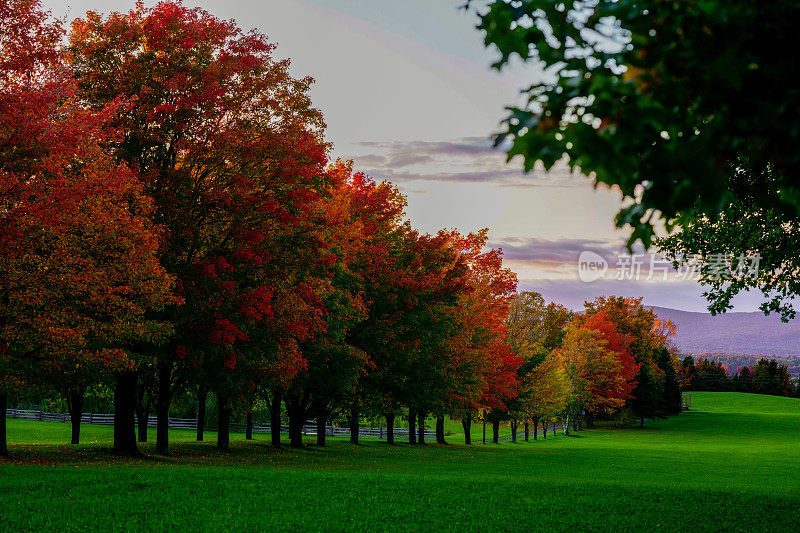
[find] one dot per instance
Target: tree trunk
(466, 423)
(354, 423)
(514, 426)
(642, 423)
(322, 424)
(142, 412)
(162, 407)
(496, 431)
(275, 418)
(589, 420)
(421, 427)
(484, 428)
(297, 417)
(412, 425)
(544, 430)
(75, 404)
(566, 425)
(390, 428)
(124, 419)
(440, 430)
(224, 424)
(527, 433)
(202, 394)
(142, 419)
(3, 441)
(248, 425)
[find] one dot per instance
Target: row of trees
(169, 219)
(615, 359)
(170, 222)
(764, 377)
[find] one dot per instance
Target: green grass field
(730, 464)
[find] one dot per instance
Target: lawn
(732, 464)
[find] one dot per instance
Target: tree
(638, 95)
(546, 391)
(78, 264)
(620, 387)
(533, 330)
(94, 283)
(595, 373)
(648, 336)
(671, 400)
(27, 54)
(768, 377)
(334, 366)
(687, 374)
(484, 367)
(743, 247)
(228, 146)
(534, 327)
(711, 375)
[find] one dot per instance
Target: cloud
(553, 251)
(685, 295)
(557, 259)
(466, 160)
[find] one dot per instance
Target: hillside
(733, 333)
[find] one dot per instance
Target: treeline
(615, 360)
(764, 377)
(171, 224)
(736, 361)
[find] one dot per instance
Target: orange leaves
(77, 250)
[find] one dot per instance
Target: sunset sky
(407, 92)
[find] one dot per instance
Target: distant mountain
(733, 333)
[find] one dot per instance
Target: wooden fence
(310, 428)
(92, 418)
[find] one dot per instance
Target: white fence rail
(92, 418)
(191, 424)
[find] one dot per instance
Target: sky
(408, 94)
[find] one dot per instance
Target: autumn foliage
(170, 221)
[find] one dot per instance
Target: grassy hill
(732, 463)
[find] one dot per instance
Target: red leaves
(287, 270)
(78, 252)
(225, 333)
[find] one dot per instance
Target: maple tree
(648, 336)
(594, 372)
(619, 388)
(79, 270)
(228, 146)
(534, 329)
(482, 369)
(544, 393)
(334, 365)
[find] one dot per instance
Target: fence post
(41, 415)
(90, 418)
